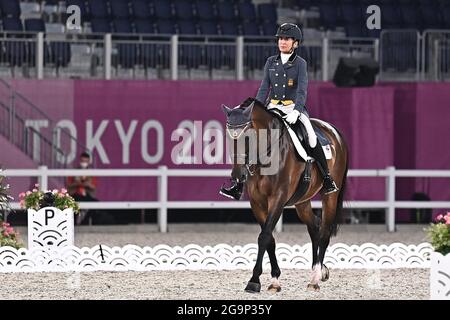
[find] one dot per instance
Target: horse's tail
(340, 200)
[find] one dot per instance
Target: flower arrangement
(4, 197)
(439, 233)
(8, 236)
(37, 199)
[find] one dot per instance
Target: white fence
(163, 204)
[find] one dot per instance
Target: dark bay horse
(269, 194)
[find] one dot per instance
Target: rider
(286, 81)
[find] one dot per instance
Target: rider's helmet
(290, 30)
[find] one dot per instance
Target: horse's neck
(261, 118)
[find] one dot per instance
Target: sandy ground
(234, 234)
(196, 285)
(343, 284)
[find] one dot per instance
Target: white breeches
(312, 138)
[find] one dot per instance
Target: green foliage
(439, 233)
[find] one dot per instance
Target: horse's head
(239, 121)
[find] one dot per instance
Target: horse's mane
(278, 121)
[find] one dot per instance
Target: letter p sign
(49, 214)
(74, 19)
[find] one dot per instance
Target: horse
(270, 193)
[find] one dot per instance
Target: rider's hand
(292, 116)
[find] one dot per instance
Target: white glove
(292, 117)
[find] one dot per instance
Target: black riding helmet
(290, 30)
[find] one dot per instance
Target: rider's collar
(291, 58)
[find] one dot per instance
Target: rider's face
(285, 45)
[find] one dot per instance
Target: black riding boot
(233, 192)
(328, 184)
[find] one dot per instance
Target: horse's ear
(248, 110)
(226, 110)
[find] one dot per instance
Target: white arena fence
(163, 204)
(218, 257)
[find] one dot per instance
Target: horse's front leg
(264, 241)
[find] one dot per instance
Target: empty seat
(225, 11)
(355, 30)
(247, 11)
(186, 27)
(144, 26)
(122, 26)
(431, 17)
(37, 25)
(328, 16)
(100, 26)
(249, 28)
(409, 14)
(60, 53)
(269, 28)
(165, 27)
(140, 9)
(12, 24)
(228, 28)
(183, 10)
(207, 28)
(352, 13)
(120, 9)
(268, 12)
(99, 9)
(163, 9)
(10, 8)
(205, 10)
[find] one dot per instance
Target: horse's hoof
(274, 289)
(313, 287)
(325, 273)
(253, 287)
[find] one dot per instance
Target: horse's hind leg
(329, 206)
(276, 272)
(306, 214)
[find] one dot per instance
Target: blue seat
(207, 28)
(446, 17)
(268, 12)
(247, 11)
(183, 10)
(140, 9)
(356, 30)
(269, 28)
(122, 26)
(328, 16)
(163, 9)
(98, 9)
(144, 26)
(15, 51)
(120, 9)
(409, 15)
(12, 24)
(85, 16)
(229, 28)
(352, 13)
(225, 11)
(249, 28)
(10, 8)
(165, 27)
(430, 16)
(205, 10)
(35, 24)
(391, 16)
(100, 26)
(186, 27)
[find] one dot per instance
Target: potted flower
(50, 217)
(439, 233)
(8, 236)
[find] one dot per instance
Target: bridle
(235, 132)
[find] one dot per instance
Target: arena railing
(163, 204)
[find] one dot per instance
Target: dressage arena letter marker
(50, 227)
